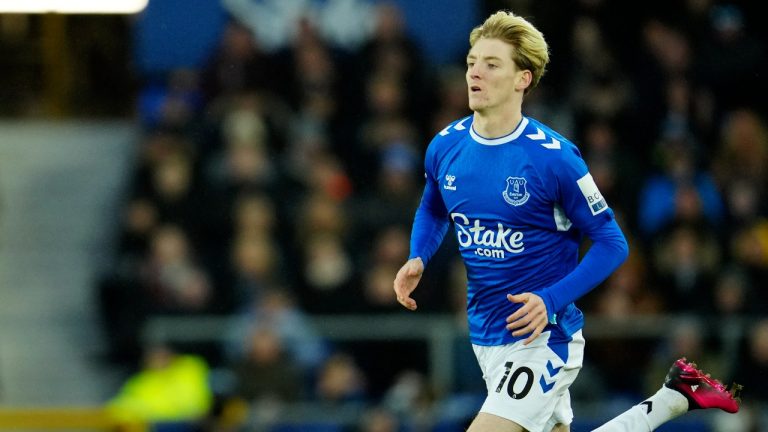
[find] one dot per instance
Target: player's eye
(492, 66)
(470, 64)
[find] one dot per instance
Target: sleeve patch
(593, 196)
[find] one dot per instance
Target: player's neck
(496, 124)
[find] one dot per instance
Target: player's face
(492, 76)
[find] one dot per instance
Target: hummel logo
(554, 145)
(539, 135)
(694, 387)
(552, 370)
(546, 386)
(449, 179)
(458, 126)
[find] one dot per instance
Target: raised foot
(701, 390)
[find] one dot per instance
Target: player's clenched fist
(406, 280)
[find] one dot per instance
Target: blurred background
(203, 206)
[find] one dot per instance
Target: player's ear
(523, 80)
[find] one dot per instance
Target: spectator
(452, 94)
(244, 162)
(174, 105)
(749, 248)
(379, 420)
(328, 275)
(340, 381)
(278, 312)
(393, 196)
(377, 288)
(255, 214)
(600, 89)
(755, 360)
(170, 387)
(686, 340)
(734, 81)
(172, 281)
(740, 165)
(411, 397)
(686, 262)
(266, 374)
(680, 193)
(628, 291)
(393, 53)
(615, 170)
(255, 267)
(732, 289)
(238, 65)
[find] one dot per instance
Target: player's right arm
(429, 227)
(406, 280)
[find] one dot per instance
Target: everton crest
(516, 194)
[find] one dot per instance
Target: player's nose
(473, 72)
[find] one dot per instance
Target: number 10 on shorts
(522, 370)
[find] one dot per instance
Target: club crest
(516, 194)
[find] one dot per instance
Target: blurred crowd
(275, 184)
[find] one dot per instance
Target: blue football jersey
(519, 205)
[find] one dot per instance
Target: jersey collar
(501, 140)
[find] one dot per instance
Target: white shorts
(529, 384)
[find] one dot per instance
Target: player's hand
(531, 318)
(406, 280)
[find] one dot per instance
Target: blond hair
(529, 49)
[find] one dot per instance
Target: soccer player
(520, 198)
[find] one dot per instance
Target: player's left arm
(582, 202)
(608, 251)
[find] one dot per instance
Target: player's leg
(528, 385)
(685, 388)
(489, 422)
(562, 416)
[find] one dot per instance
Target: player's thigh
(485, 422)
